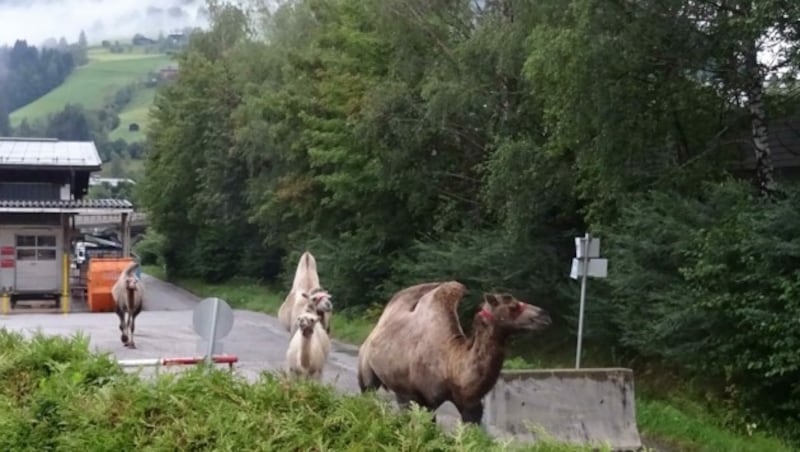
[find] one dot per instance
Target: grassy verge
(669, 422)
(684, 425)
(93, 83)
(60, 396)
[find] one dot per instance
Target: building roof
(79, 206)
(43, 153)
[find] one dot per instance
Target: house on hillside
(141, 40)
(43, 183)
(168, 73)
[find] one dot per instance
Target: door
(38, 269)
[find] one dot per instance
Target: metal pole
(212, 337)
(584, 274)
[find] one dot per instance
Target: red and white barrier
(179, 361)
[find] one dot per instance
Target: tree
(5, 123)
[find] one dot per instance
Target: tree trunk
(758, 120)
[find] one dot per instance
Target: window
(26, 254)
(29, 191)
(46, 254)
(36, 247)
(46, 240)
(26, 240)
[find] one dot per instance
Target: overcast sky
(38, 20)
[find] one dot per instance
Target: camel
(419, 351)
(306, 290)
(309, 347)
(128, 293)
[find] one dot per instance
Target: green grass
(92, 84)
(58, 395)
(686, 426)
(669, 421)
(135, 112)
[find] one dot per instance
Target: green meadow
(92, 84)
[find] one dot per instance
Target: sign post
(587, 262)
(212, 321)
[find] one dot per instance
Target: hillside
(94, 83)
(134, 112)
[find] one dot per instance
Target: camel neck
(305, 350)
(484, 357)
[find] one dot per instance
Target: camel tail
(306, 277)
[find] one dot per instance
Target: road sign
(204, 315)
(593, 249)
(597, 268)
(212, 320)
(586, 263)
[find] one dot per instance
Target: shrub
(714, 284)
(59, 396)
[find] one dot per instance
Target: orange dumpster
(103, 273)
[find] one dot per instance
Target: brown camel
(419, 351)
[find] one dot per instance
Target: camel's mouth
(539, 321)
(307, 330)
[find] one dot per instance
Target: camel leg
(132, 322)
(402, 401)
(367, 380)
(471, 414)
(122, 327)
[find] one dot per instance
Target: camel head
(131, 282)
(321, 299)
(306, 322)
(505, 311)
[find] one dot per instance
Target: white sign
(594, 247)
(598, 268)
(586, 263)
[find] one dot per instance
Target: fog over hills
(38, 20)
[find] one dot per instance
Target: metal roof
(80, 206)
(48, 152)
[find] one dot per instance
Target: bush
(151, 249)
(714, 285)
(59, 396)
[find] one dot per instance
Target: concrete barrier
(582, 406)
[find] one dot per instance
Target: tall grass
(58, 396)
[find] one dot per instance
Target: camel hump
(306, 277)
(447, 296)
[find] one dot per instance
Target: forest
(27, 73)
(404, 141)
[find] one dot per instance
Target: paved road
(164, 329)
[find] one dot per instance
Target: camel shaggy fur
(309, 347)
(306, 291)
(128, 293)
(419, 351)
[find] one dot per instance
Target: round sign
(204, 315)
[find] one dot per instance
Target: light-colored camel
(306, 290)
(309, 347)
(419, 351)
(128, 293)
